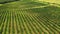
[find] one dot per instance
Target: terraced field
(29, 18)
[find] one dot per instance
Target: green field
(29, 18)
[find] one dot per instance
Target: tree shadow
(8, 1)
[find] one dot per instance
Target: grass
(50, 1)
(16, 19)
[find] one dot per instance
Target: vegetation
(29, 18)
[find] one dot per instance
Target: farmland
(29, 18)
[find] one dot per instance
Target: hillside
(22, 17)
